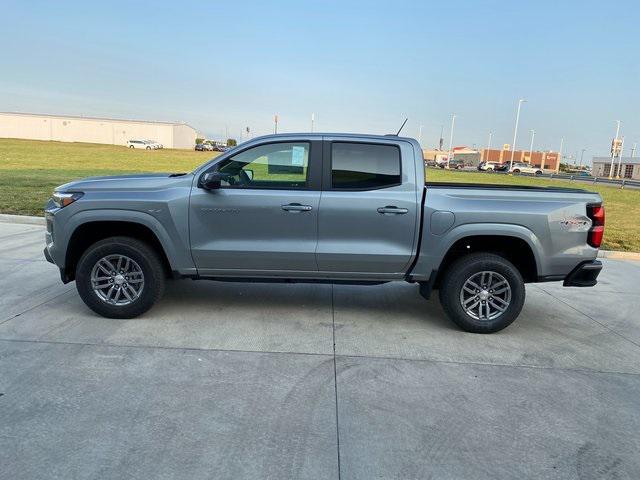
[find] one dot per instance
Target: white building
(111, 131)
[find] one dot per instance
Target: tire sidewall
(462, 270)
(153, 285)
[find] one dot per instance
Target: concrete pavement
(313, 381)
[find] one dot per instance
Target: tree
(231, 142)
(199, 141)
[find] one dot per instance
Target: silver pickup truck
(334, 208)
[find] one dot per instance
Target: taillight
(596, 214)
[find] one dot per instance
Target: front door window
(275, 165)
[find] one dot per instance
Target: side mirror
(249, 174)
(211, 180)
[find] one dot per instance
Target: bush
(231, 142)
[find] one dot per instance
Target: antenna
(402, 126)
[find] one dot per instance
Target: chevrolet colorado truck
(332, 208)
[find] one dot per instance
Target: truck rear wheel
(120, 277)
(482, 292)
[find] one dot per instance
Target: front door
(369, 208)
(263, 220)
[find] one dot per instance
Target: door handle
(392, 209)
(296, 207)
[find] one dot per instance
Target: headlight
(62, 199)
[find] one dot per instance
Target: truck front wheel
(482, 292)
(120, 277)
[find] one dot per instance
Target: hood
(136, 181)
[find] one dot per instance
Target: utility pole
(420, 135)
(488, 146)
(441, 141)
(613, 149)
(533, 134)
(620, 158)
(313, 119)
(453, 123)
(633, 150)
(275, 123)
(515, 132)
(582, 155)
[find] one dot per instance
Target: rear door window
(364, 166)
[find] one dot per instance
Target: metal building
(94, 130)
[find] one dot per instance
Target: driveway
(238, 380)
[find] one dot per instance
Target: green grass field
(29, 171)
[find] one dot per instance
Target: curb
(618, 254)
(22, 219)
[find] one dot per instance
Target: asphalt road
(236, 381)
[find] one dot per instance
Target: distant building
(629, 167)
(543, 160)
(110, 131)
(469, 156)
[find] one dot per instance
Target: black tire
(516, 171)
(144, 255)
(538, 172)
(131, 146)
(464, 268)
(148, 148)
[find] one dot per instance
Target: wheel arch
(87, 233)
(515, 248)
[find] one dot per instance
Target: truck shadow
(346, 304)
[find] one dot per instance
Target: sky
(358, 66)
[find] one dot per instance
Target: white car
(139, 144)
(524, 168)
(488, 166)
(153, 143)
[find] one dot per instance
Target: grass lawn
(29, 171)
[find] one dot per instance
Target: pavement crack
(48, 299)
(335, 378)
(592, 319)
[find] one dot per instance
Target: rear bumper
(584, 275)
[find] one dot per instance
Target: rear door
(368, 207)
(264, 218)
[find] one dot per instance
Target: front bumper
(47, 255)
(584, 275)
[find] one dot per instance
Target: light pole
(613, 149)
(488, 146)
(420, 135)
(275, 123)
(515, 132)
(633, 150)
(582, 155)
(560, 155)
(453, 123)
(313, 119)
(533, 134)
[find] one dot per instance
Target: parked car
(489, 166)
(322, 208)
(453, 164)
(524, 168)
(139, 144)
(154, 144)
(204, 147)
